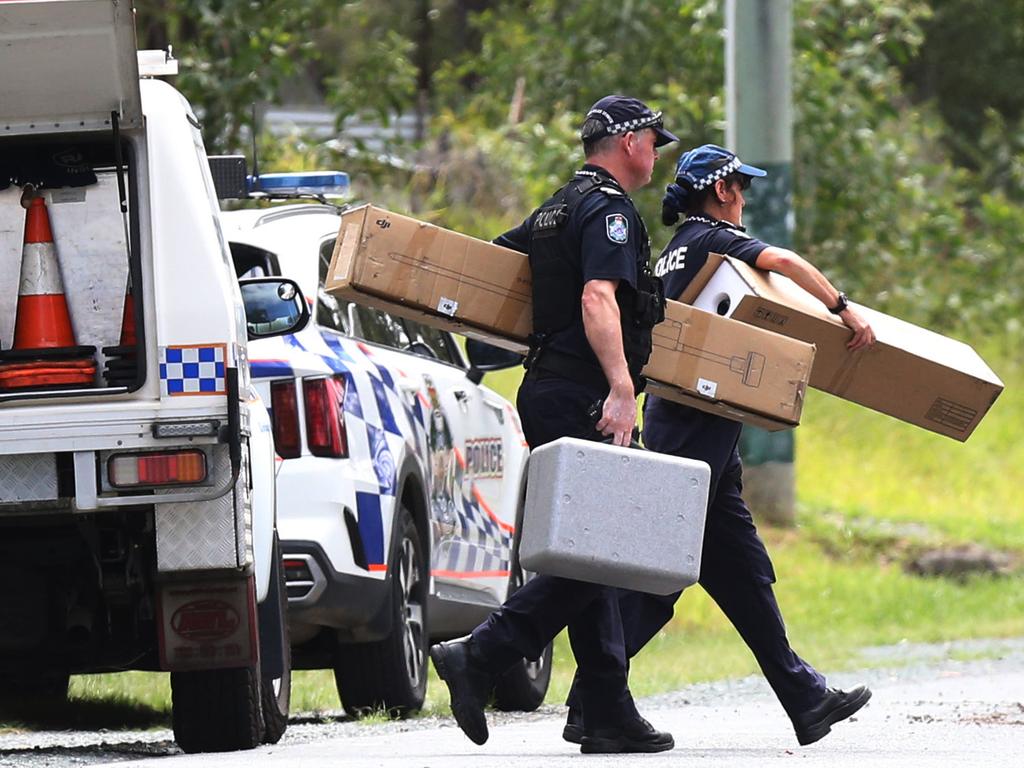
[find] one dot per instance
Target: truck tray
(617, 516)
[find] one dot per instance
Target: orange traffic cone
(128, 319)
(121, 368)
(45, 353)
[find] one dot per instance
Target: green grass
(870, 489)
(863, 463)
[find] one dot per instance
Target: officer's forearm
(801, 272)
(602, 324)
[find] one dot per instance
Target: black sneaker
(837, 705)
(573, 730)
(635, 736)
(469, 685)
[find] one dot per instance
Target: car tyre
(390, 675)
(216, 710)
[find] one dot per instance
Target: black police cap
(619, 114)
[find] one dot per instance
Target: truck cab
(137, 497)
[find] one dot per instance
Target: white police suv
(400, 478)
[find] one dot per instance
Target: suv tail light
(285, 416)
(325, 416)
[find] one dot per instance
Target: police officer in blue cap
(735, 567)
(595, 302)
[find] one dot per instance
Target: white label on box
(706, 387)
(447, 306)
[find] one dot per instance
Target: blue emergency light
(316, 183)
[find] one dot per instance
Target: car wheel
(216, 710)
(390, 675)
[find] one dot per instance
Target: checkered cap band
(714, 176)
(612, 128)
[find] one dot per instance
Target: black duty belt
(549, 362)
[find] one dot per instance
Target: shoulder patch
(740, 233)
(617, 228)
(613, 191)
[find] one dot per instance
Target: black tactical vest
(557, 269)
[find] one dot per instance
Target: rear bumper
(358, 607)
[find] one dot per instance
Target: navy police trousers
(550, 408)
(736, 570)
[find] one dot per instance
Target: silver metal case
(617, 516)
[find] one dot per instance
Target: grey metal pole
(759, 112)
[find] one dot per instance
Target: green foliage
(231, 53)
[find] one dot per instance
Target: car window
(326, 251)
(435, 340)
(253, 262)
(373, 325)
(379, 327)
(332, 313)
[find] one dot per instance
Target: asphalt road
(930, 710)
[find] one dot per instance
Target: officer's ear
(721, 190)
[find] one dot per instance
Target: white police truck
(137, 465)
(402, 477)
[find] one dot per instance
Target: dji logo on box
(447, 306)
(707, 388)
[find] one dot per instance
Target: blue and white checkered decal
(378, 418)
(192, 370)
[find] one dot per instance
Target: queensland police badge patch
(617, 228)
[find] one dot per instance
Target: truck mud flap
(208, 624)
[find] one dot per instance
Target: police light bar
(318, 183)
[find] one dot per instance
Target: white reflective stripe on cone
(39, 272)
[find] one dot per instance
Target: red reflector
(284, 410)
(128, 470)
(325, 416)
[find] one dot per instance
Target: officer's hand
(863, 336)
(619, 415)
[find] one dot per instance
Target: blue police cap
(618, 114)
(707, 164)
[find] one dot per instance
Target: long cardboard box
(443, 278)
(469, 286)
(910, 373)
(729, 368)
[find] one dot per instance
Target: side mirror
(484, 357)
(274, 306)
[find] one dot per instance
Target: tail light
(325, 416)
(129, 470)
(285, 416)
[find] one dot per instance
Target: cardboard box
(469, 286)
(729, 368)
(910, 373)
(421, 271)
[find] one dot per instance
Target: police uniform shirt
(688, 250)
(611, 237)
(671, 427)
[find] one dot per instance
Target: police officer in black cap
(595, 302)
(735, 567)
